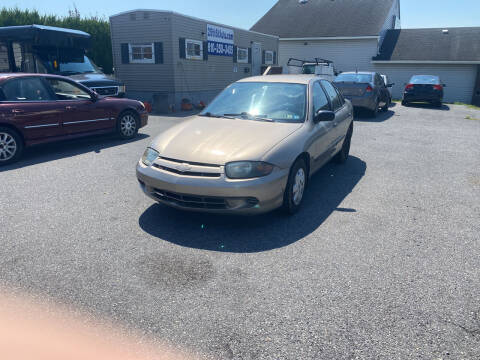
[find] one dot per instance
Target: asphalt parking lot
(382, 262)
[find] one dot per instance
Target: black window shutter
(181, 48)
(249, 55)
(125, 54)
(205, 50)
(158, 46)
(234, 54)
(274, 57)
(263, 57)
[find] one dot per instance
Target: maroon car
(38, 108)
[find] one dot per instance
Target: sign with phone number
(221, 49)
(220, 40)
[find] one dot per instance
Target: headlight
(248, 169)
(149, 156)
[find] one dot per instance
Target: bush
(99, 28)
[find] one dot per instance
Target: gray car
(366, 90)
(253, 149)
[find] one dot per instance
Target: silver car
(253, 149)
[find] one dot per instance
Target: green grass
(468, 105)
(468, 117)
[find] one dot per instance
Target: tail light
(409, 87)
(369, 89)
(438, 87)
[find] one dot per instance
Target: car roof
(358, 72)
(292, 78)
(6, 76)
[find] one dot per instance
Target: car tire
(374, 112)
(438, 104)
(11, 146)
(387, 105)
(342, 155)
(128, 125)
(295, 190)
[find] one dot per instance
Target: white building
(366, 35)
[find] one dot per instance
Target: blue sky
(243, 14)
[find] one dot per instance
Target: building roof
(431, 45)
(325, 18)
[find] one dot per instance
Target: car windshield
(263, 101)
(73, 68)
(425, 79)
(355, 78)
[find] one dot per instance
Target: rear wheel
(374, 112)
(387, 105)
(438, 104)
(297, 181)
(11, 146)
(127, 125)
(342, 156)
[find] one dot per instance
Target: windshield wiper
(209, 114)
(70, 72)
(251, 117)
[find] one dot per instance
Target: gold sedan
(253, 149)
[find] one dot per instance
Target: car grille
(183, 168)
(191, 201)
(106, 91)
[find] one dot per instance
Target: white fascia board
(332, 38)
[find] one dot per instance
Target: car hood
(95, 79)
(219, 141)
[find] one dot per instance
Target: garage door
(460, 79)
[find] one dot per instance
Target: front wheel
(342, 156)
(127, 125)
(297, 181)
(11, 146)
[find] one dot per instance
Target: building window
(268, 57)
(142, 53)
(194, 49)
(242, 55)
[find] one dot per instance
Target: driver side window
(65, 90)
(320, 101)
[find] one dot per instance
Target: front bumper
(214, 195)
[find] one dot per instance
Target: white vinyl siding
(347, 55)
(460, 79)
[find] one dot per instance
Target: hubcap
(8, 146)
(128, 125)
(298, 186)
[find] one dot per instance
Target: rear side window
(335, 99)
(320, 100)
(26, 89)
(425, 79)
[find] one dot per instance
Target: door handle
(70, 107)
(18, 111)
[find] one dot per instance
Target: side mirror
(94, 96)
(390, 85)
(323, 115)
